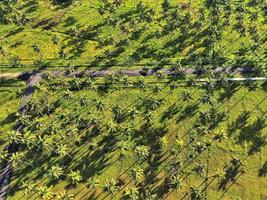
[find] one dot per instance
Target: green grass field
(92, 122)
(83, 34)
(10, 94)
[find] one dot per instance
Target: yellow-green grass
(92, 162)
(10, 95)
(85, 16)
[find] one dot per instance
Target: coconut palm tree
(64, 195)
(175, 183)
(150, 196)
(3, 155)
(199, 147)
(186, 96)
(17, 159)
(165, 6)
(45, 192)
(148, 117)
(74, 177)
(153, 104)
(83, 101)
(196, 194)
(55, 172)
(137, 173)
(100, 106)
(45, 144)
(126, 81)
(117, 112)
(206, 98)
(131, 193)
(157, 88)
(14, 137)
(28, 187)
(141, 83)
(142, 152)
(175, 165)
(112, 127)
(178, 145)
(62, 149)
(190, 82)
(199, 169)
(163, 143)
(68, 94)
(29, 139)
(123, 147)
(220, 135)
(92, 183)
(111, 186)
(127, 132)
(133, 113)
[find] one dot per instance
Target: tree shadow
(240, 122)
(69, 21)
(263, 170)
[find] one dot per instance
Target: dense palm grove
(175, 135)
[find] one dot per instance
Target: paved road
(6, 172)
(137, 72)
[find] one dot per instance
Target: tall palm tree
(141, 83)
(123, 147)
(55, 172)
(64, 195)
(220, 135)
(131, 193)
(17, 159)
(112, 127)
(186, 96)
(92, 183)
(111, 186)
(74, 177)
(100, 106)
(137, 173)
(206, 98)
(148, 117)
(196, 194)
(28, 187)
(199, 169)
(14, 137)
(29, 139)
(163, 143)
(142, 152)
(62, 149)
(3, 155)
(117, 112)
(157, 88)
(133, 113)
(175, 183)
(45, 192)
